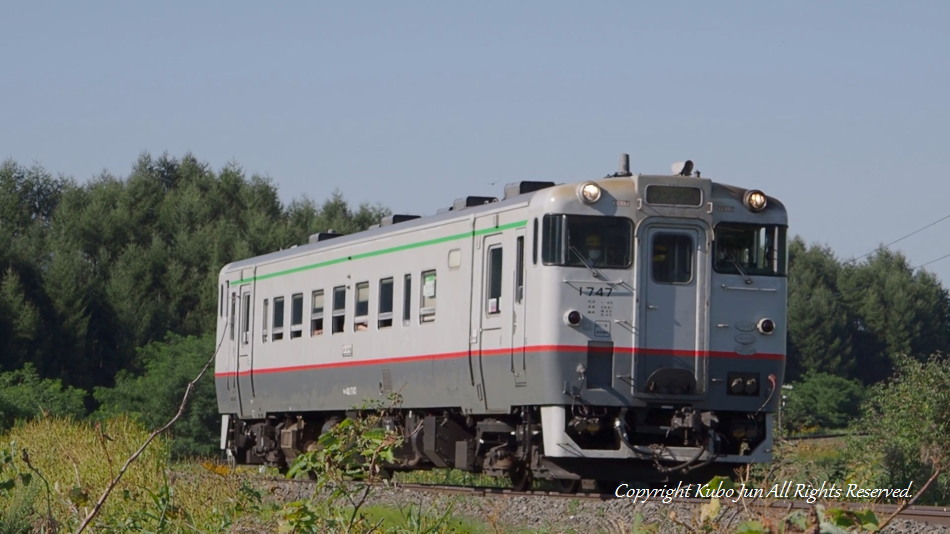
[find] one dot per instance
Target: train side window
(339, 309)
(406, 299)
(264, 319)
(427, 309)
(246, 318)
(296, 315)
(220, 301)
(316, 313)
(361, 321)
(672, 258)
(493, 297)
(519, 269)
(385, 316)
(278, 318)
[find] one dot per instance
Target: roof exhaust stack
(624, 167)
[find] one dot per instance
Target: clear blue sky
(840, 109)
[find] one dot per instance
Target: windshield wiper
(593, 270)
(745, 277)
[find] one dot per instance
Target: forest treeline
(92, 274)
(108, 290)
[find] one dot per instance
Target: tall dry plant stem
(115, 481)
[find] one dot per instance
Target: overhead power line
(917, 231)
(945, 256)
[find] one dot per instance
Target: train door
(245, 354)
(495, 317)
(671, 357)
(519, 321)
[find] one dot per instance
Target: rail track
(934, 515)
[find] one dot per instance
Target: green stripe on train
(518, 224)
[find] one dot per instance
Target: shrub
(24, 395)
(822, 400)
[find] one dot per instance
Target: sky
(839, 109)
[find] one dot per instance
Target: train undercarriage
(603, 444)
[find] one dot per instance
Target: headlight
(755, 200)
(589, 192)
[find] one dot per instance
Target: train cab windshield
(750, 250)
(580, 240)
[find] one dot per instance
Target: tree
(896, 311)
(820, 324)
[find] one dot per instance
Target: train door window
(278, 318)
(296, 315)
(406, 299)
(385, 316)
(519, 269)
(316, 313)
(672, 258)
(264, 319)
(427, 310)
(534, 243)
(231, 318)
(339, 308)
(493, 297)
(220, 301)
(246, 318)
(361, 321)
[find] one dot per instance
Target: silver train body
(514, 346)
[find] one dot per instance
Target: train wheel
(520, 477)
(568, 485)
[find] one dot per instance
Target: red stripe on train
(503, 352)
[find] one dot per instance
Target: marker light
(589, 192)
(766, 326)
(572, 317)
(755, 200)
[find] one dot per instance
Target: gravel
(552, 513)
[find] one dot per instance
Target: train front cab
(684, 336)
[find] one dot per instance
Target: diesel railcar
(629, 326)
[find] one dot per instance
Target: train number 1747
(595, 292)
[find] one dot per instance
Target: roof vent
(396, 219)
(324, 236)
(468, 202)
(520, 188)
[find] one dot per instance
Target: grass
(71, 462)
